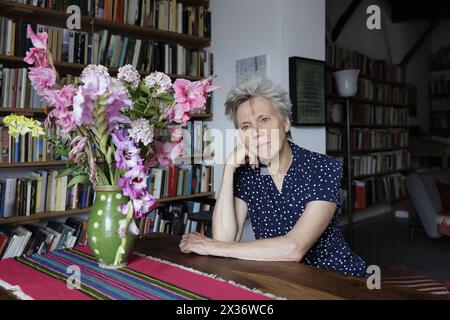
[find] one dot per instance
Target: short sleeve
(241, 183)
(326, 184)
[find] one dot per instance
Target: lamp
(347, 85)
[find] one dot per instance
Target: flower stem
(121, 250)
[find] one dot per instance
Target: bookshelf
(440, 93)
(66, 213)
(22, 13)
(379, 126)
(58, 19)
(65, 68)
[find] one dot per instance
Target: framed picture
(307, 91)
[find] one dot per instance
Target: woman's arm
(291, 247)
(224, 220)
(230, 212)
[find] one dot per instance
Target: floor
(384, 241)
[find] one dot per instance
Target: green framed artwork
(307, 91)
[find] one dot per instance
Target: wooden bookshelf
(365, 125)
(43, 216)
(365, 151)
(58, 19)
(32, 164)
(186, 197)
(403, 87)
(442, 115)
(368, 101)
(373, 78)
(65, 68)
(38, 113)
(382, 173)
(30, 14)
(57, 214)
(25, 112)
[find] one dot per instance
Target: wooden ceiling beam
(344, 19)
(407, 58)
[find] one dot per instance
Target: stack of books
(180, 180)
(42, 191)
(169, 15)
(26, 148)
(340, 58)
(16, 90)
(31, 239)
(380, 162)
(108, 49)
(176, 219)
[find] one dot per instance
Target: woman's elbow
(295, 252)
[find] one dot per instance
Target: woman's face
(261, 129)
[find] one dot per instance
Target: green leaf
(62, 152)
(117, 175)
(78, 179)
(166, 97)
(103, 179)
(67, 171)
(143, 87)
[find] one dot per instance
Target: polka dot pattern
(312, 176)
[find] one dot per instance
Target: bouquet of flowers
(113, 129)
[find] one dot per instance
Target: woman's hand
(239, 155)
(196, 243)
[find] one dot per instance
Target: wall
(279, 29)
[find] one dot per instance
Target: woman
(290, 194)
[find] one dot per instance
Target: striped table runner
(145, 278)
(412, 279)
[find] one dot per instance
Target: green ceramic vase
(109, 249)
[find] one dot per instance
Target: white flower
(160, 81)
(141, 131)
(128, 74)
(94, 70)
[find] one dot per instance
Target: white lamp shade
(346, 82)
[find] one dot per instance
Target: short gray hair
(258, 86)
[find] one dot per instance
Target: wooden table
(284, 279)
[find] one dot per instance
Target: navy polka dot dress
(312, 176)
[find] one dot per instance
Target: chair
(204, 217)
(426, 199)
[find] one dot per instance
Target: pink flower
(78, 145)
(189, 93)
(207, 85)
(133, 229)
(143, 205)
(134, 182)
(61, 100)
(123, 209)
(38, 40)
(127, 155)
(42, 78)
(167, 152)
(176, 133)
(190, 97)
(38, 53)
(178, 113)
